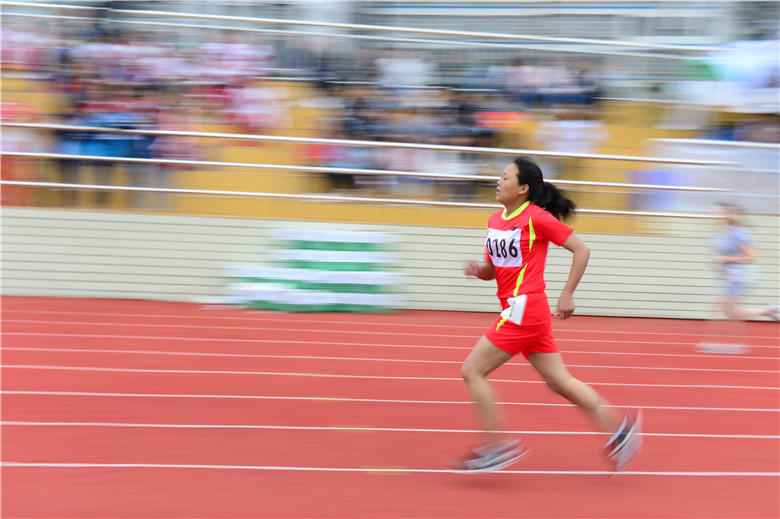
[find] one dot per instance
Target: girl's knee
(554, 385)
(471, 372)
(561, 385)
(468, 373)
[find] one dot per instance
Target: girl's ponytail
(542, 193)
(554, 201)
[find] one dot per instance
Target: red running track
(148, 409)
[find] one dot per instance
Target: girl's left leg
(552, 369)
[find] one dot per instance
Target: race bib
(516, 309)
(504, 247)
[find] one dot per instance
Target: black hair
(542, 193)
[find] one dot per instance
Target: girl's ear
(523, 189)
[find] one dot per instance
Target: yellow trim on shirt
(519, 281)
(517, 211)
(531, 234)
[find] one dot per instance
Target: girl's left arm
(578, 263)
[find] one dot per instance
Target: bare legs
(483, 359)
(552, 369)
(734, 310)
(486, 357)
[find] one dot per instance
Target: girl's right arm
(746, 255)
(483, 270)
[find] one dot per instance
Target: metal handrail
(347, 171)
(380, 28)
(372, 144)
(456, 43)
(333, 198)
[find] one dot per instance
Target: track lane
(216, 492)
(362, 449)
(385, 388)
(410, 367)
(147, 493)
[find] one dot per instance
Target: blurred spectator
(764, 129)
(404, 73)
(339, 156)
(258, 106)
(143, 114)
(573, 130)
(235, 60)
(20, 169)
(180, 114)
(25, 49)
(102, 113)
(69, 142)
(532, 85)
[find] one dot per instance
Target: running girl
(735, 261)
(515, 255)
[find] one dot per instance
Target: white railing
(346, 171)
(330, 198)
(456, 43)
(371, 144)
(377, 28)
(355, 171)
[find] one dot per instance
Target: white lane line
(366, 400)
(370, 377)
(251, 341)
(339, 332)
(363, 429)
(261, 315)
(468, 348)
(291, 328)
(11, 464)
(375, 345)
(360, 359)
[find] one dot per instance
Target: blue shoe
(491, 457)
(625, 445)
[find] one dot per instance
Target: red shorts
(534, 335)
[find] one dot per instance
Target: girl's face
(508, 188)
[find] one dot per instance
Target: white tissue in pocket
(514, 312)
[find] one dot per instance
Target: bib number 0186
(500, 248)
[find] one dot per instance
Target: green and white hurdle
(321, 271)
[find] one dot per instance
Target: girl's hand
(483, 271)
(472, 268)
(565, 306)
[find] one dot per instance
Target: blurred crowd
(131, 80)
(138, 79)
(141, 79)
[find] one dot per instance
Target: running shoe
(626, 444)
(491, 457)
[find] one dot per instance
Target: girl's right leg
(483, 359)
(495, 451)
